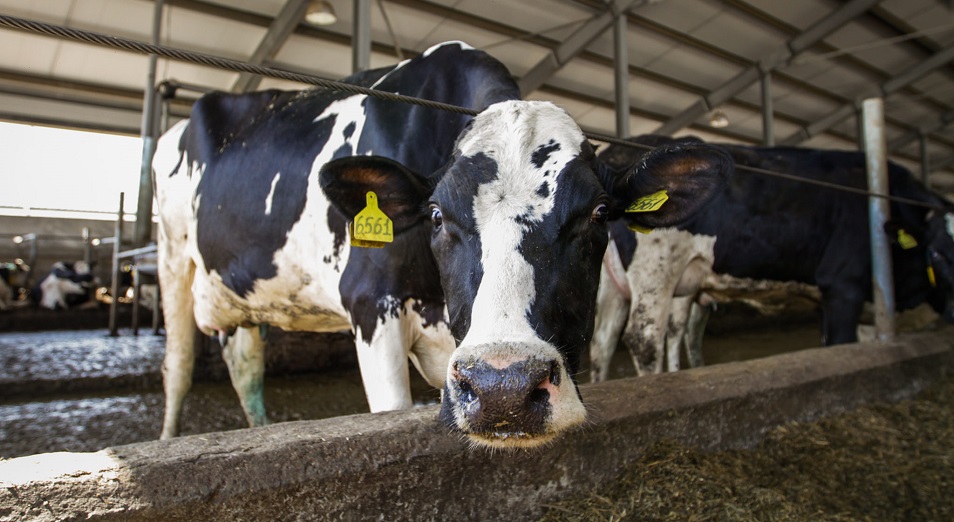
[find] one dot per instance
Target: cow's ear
(401, 193)
(671, 184)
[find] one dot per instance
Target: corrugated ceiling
(680, 52)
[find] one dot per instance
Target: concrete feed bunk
(402, 466)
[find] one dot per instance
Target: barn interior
(738, 71)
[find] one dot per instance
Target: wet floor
(52, 417)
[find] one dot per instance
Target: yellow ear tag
(649, 203)
(906, 240)
(371, 228)
(637, 228)
(931, 276)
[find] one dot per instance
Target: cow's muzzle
(510, 401)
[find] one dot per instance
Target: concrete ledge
(402, 466)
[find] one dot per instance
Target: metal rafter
(573, 45)
(942, 122)
(278, 32)
(885, 89)
(793, 47)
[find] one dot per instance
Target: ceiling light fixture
(320, 12)
(718, 120)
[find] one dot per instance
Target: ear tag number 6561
(371, 228)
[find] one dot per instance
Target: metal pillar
(117, 247)
(143, 229)
(879, 212)
(621, 74)
(361, 44)
(925, 162)
(768, 121)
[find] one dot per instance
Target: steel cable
(239, 66)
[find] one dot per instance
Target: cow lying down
(67, 285)
(495, 227)
(767, 228)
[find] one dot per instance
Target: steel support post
(361, 43)
(143, 229)
(768, 120)
(621, 75)
(925, 161)
(879, 212)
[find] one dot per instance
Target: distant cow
(768, 228)
(68, 285)
(498, 224)
(12, 281)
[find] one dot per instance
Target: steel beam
(572, 46)
(741, 81)
(278, 32)
(941, 123)
(886, 88)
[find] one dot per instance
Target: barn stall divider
(403, 466)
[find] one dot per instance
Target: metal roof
(687, 58)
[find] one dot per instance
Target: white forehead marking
(949, 218)
(509, 133)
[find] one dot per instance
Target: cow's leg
(432, 351)
(612, 309)
(841, 311)
(695, 331)
(176, 281)
(244, 354)
(384, 364)
(678, 318)
(645, 331)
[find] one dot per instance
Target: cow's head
(517, 222)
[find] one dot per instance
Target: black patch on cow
(543, 190)
(566, 252)
(542, 153)
(235, 236)
(349, 131)
(457, 245)
(338, 226)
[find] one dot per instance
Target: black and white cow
(68, 285)
(768, 228)
(499, 221)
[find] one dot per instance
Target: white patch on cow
(657, 271)
(506, 132)
(500, 332)
(397, 337)
(949, 219)
(55, 290)
(271, 194)
(463, 45)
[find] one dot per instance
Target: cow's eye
(437, 218)
(600, 214)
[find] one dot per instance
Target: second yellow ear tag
(637, 228)
(906, 240)
(649, 203)
(371, 228)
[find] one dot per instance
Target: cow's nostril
(539, 396)
(554, 373)
(466, 391)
